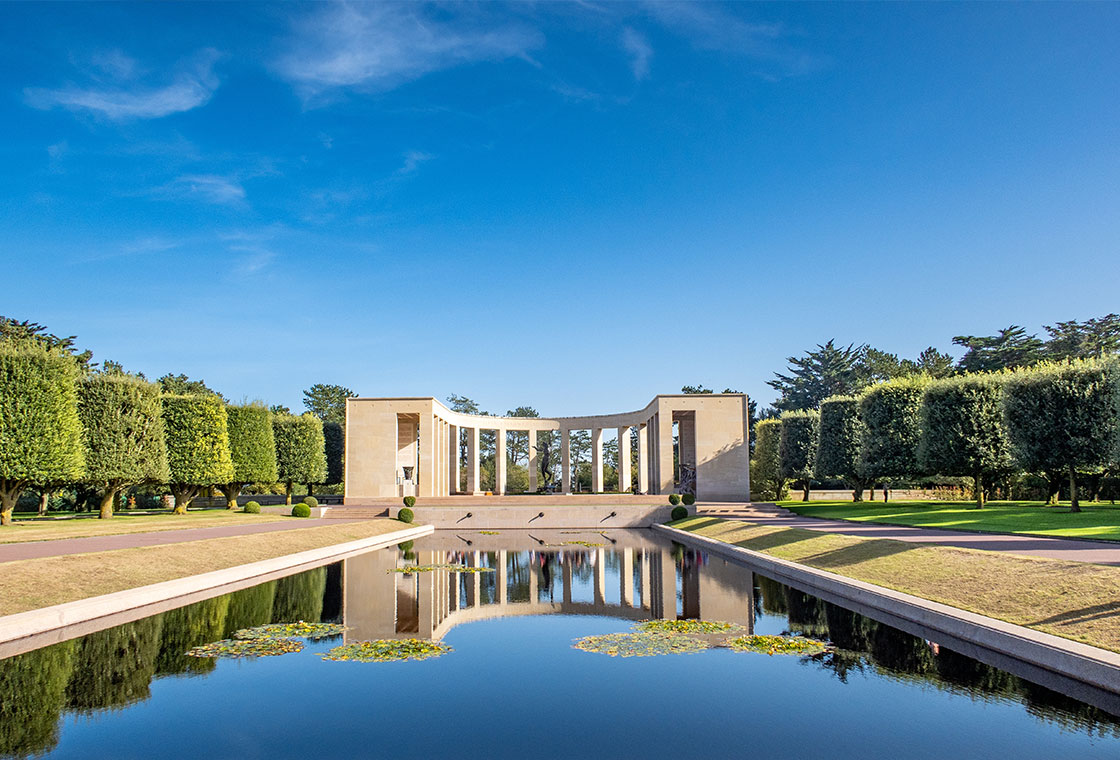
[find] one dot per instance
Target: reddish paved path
(1096, 552)
(37, 549)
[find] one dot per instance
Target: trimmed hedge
(405, 515)
(197, 446)
(688, 499)
(311, 501)
(679, 513)
(301, 510)
(674, 499)
(253, 508)
(410, 501)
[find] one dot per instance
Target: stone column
(624, 460)
(644, 581)
(453, 440)
(441, 458)
(665, 475)
(597, 460)
(533, 466)
(428, 433)
(472, 461)
(643, 458)
(566, 460)
(500, 462)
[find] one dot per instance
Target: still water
(514, 686)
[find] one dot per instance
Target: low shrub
(688, 499)
(674, 499)
(405, 515)
(679, 513)
(410, 501)
(311, 501)
(301, 510)
(253, 508)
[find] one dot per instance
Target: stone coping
(33, 629)
(1079, 670)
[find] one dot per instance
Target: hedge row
(1058, 420)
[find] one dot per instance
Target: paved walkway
(1096, 552)
(37, 549)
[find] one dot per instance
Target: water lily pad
(688, 626)
(490, 532)
(778, 645)
(263, 647)
(387, 650)
(409, 569)
(640, 644)
(302, 630)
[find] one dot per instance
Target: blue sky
(570, 206)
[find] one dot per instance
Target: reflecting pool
(510, 606)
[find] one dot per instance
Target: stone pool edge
(25, 631)
(1010, 643)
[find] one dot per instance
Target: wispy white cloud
(116, 64)
(379, 46)
(58, 150)
(710, 26)
(123, 99)
(210, 188)
(250, 259)
(412, 161)
(151, 244)
(638, 47)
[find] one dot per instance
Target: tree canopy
(839, 438)
(890, 419)
(252, 449)
(123, 434)
(300, 450)
(798, 447)
(181, 385)
(197, 445)
(40, 433)
(766, 470)
(327, 402)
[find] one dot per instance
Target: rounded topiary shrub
(405, 515)
(253, 508)
(301, 510)
(674, 499)
(679, 513)
(311, 501)
(688, 499)
(410, 501)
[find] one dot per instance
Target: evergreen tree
(828, 371)
(328, 402)
(1011, 347)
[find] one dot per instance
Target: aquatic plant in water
(246, 648)
(778, 645)
(409, 569)
(386, 650)
(302, 630)
(640, 644)
(688, 626)
(490, 532)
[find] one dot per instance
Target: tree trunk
(310, 486)
(44, 499)
(107, 498)
(805, 490)
(184, 495)
(871, 492)
(231, 492)
(1053, 487)
(1074, 504)
(857, 493)
(978, 490)
(8, 497)
(288, 493)
(886, 494)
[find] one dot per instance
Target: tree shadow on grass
(776, 539)
(1085, 614)
(861, 552)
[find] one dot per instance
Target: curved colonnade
(410, 446)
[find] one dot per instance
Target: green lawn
(1097, 521)
(123, 522)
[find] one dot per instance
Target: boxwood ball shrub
(688, 499)
(405, 515)
(679, 513)
(674, 499)
(410, 501)
(311, 501)
(301, 510)
(253, 508)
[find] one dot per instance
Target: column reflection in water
(560, 576)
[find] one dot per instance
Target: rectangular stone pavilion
(410, 446)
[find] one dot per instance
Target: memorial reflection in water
(567, 574)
